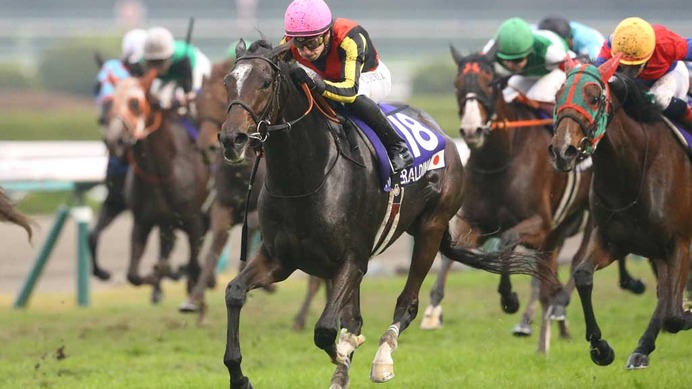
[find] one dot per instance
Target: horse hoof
(188, 307)
(156, 296)
(271, 288)
(298, 325)
(211, 282)
(557, 313)
(102, 274)
(522, 330)
(432, 319)
(634, 286)
(510, 304)
(637, 361)
(602, 354)
(381, 372)
(243, 383)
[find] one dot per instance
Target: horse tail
(11, 215)
(504, 261)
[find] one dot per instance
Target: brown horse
(230, 184)
(9, 214)
(167, 181)
(511, 191)
(322, 209)
(641, 194)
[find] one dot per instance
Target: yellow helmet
(635, 39)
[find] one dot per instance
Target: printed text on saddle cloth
(426, 146)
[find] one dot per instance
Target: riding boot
(679, 111)
(370, 112)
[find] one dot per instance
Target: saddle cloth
(426, 146)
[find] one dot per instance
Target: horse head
(211, 103)
(253, 88)
(476, 93)
(131, 116)
(582, 111)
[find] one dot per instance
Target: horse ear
(281, 53)
(455, 54)
(112, 79)
(570, 64)
(609, 67)
(148, 78)
(240, 48)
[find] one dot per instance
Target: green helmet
(515, 39)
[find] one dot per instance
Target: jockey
(347, 68)
(583, 40)
(181, 68)
(128, 64)
(534, 58)
(115, 69)
(654, 55)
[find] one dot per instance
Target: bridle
(595, 129)
(470, 73)
(264, 124)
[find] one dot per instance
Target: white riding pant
(171, 91)
(673, 84)
(376, 84)
(541, 89)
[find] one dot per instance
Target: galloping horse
(511, 191)
(322, 208)
(641, 194)
(231, 183)
(10, 215)
(166, 184)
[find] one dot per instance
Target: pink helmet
(307, 18)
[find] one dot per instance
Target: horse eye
(266, 84)
(134, 105)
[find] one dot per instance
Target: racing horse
(641, 194)
(511, 190)
(115, 204)
(9, 214)
(323, 204)
(167, 181)
(230, 185)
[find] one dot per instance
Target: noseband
(597, 123)
(264, 125)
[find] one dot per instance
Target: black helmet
(556, 24)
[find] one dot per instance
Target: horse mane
(635, 102)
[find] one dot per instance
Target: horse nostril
(479, 131)
(551, 151)
(571, 152)
(240, 139)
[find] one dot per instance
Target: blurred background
(50, 45)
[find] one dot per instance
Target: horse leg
(313, 287)
(426, 245)
(260, 271)
(221, 219)
(546, 293)
(138, 239)
(668, 314)
(349, 339)
(635, 286)
(432, 318)
(162, 268)
(597, 257)
(344, 285)
(462, 233)
(195, 238)
(110, 209)
(523, 328)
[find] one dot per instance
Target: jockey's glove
(300, 76)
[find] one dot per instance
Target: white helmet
(133, 45)
(158, 44)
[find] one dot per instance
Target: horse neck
(157, 152)
(299, 159)
(623, 153)
(500, 144)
